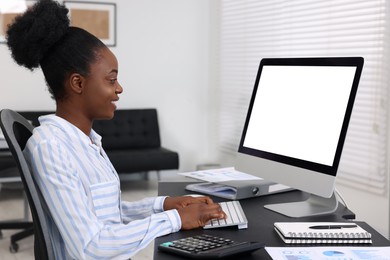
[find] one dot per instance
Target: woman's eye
(112, 81)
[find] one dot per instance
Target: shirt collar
(70, 129)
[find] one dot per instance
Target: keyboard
(208, 247)
(235, 216)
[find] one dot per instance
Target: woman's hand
(184, 201)
(198, 214)
(194, 211)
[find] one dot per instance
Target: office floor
(11, 207)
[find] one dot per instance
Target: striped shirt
(87, 219)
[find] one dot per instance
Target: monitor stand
(314, 205)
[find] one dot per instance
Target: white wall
(162, 49)
(368, 207)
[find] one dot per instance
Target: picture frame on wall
(97, 18)
(9, 11)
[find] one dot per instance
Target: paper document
(220, 175)
(329, 253)
(215, 189)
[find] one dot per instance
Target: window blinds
(251, 30)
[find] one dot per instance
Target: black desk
(260, 221)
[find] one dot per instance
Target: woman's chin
(106, 116)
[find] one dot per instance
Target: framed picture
(9, 11)
(97, 18)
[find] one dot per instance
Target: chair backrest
(17, 130)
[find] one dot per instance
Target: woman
(87, 218)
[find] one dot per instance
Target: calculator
(207, 246)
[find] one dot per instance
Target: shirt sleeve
(142, 208)
(85, 235)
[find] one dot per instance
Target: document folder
(236, 190)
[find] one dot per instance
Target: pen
(333, 226)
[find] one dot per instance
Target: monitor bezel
(321, 61)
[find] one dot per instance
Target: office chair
(17, 130)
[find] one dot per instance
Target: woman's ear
(76, 83)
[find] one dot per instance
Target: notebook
(322, 233)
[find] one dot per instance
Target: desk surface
(260, 221)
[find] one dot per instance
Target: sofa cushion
(133, 128)
(143, 160)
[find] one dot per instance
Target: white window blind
(252, 30)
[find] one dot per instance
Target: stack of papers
(215, 189)
(220, 175)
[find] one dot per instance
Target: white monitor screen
(299, 111)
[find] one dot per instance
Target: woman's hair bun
(33, 33)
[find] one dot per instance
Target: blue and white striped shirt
(87, 219)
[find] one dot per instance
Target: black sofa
(131, 140)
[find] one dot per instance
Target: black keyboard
(206, 246)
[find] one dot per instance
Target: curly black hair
(42, 37)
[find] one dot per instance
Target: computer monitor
(296, 126)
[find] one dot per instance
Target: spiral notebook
(322, 233)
